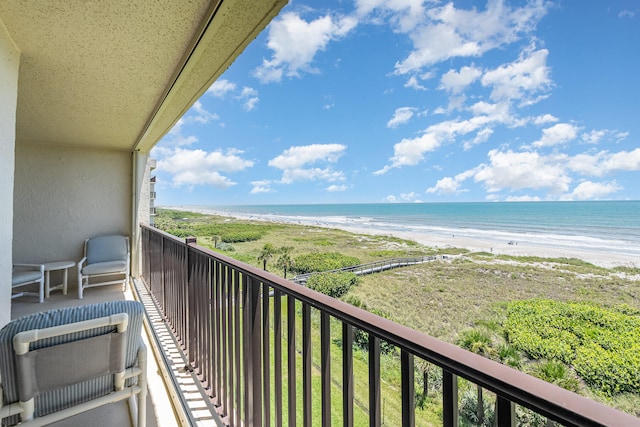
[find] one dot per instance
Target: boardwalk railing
(371, 267)
(245, 348)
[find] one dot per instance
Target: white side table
(56, 266)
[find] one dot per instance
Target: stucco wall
(65, 194)
(9, 64)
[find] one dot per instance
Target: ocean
(612, 226)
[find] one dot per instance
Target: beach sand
(606, 259)
(600, 258)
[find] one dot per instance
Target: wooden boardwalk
(369, 268)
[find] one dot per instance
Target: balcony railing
(239, 328)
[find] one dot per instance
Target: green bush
(478, 342)
(323, 261)
(333, 284)
(361, 338)
(241, 236)
(556, 372)
(602, 345)
(468, 410)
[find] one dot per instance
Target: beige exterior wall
(141, 211)
(9, 64)
(64, 195)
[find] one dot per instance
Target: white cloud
(528, 170)
(483, 135)
(593, 137)
(263, 186)
(404, 14)
(413, 83)
(221, 87)
(198, 167)
(522, 170)
(457, 81)
(336, 188)
(410, 151)
(403, 198)
(588, 190)
(544, 119)
(521, 79)
(401, 116)
(295, 42)
(199, 114)
(446, 185)
(449, 32)
(557, 134)
(603, 162)
(522, 199)
(295, 161)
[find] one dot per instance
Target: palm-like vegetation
(268, 251)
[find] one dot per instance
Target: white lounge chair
(60, 363)
(107, 259)
(27, 274)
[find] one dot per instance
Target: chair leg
(142, 382)
(41, 291)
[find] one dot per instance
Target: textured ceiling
(118, 73)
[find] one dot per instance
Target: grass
(442, 298)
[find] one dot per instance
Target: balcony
(265, 354)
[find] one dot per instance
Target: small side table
(56, 266)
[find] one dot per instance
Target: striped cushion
(69, 396)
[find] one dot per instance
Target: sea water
(603, 225)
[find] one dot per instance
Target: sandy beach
(602, 258)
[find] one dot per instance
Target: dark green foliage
(509, 356)
(478, 342)
(333, 284)
(323, 261)
(602, 345)
(469, 410)
(184, 224)
(556, 372)
(361, 338)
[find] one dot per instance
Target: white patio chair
(106, 261)
(61, 363)
(27, 274)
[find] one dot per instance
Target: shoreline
(601, 258)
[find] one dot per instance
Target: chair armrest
(82, 261)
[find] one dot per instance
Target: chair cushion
(106, 248)
(105, 268)
(26, 276)
(69, 396)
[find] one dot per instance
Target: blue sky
(371, 101)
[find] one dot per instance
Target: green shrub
(478, 342)
(333, 284)
(556, 372)
(602, 345)
(469, 410)
(509, 356)
(323, 261)
(361, 338)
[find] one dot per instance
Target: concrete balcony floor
(161, 408)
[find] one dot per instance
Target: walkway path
(370, 268)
